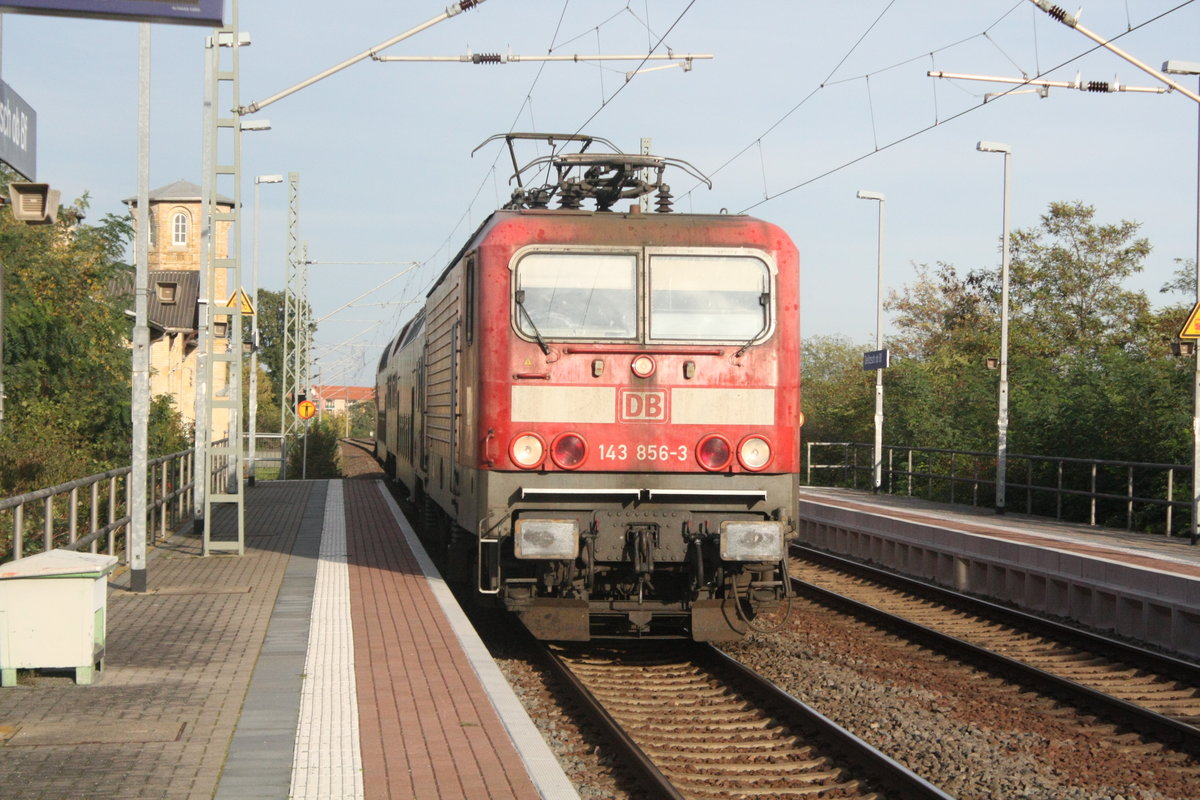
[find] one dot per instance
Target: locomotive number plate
(643, 452)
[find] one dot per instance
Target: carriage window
(719, 298)
(576, 296)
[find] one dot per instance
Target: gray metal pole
(141, 329)
(878, 466)
(1, 347)
(1195, 533)
(201, 435)
(253, 390)
(1002, 419)
(877, 455)
(1002, 403)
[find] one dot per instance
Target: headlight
(755, 453)
(527, 450)
(546, 538)
(752, 541)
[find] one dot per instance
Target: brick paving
(428, 728)
(158, 721)
(234, 677)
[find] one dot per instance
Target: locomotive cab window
(576, 296)
(712, 298)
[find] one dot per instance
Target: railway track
(1154, 693)
(696, 724)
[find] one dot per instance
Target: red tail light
(714, 452)
(569, 450)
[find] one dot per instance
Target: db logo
(642, 406)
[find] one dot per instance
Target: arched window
(179, 229)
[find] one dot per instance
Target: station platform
(329, 661)
(1143, 586)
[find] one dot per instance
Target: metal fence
(1148, 497)
(94, 512)
(270, 455)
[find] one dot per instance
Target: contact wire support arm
(451, 11)
(1072, 21)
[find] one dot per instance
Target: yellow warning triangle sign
(1191, 328)
(240, 297)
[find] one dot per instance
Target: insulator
(485, 58)
(662, 202)
(1058, 13)
(569, 197)
(1099, 86)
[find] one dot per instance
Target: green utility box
(53, 613)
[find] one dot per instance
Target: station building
(174, 285)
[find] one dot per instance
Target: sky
(802, 105)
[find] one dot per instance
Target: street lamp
(1193, 68)
(1002, 418)
(253, 413)
(877, 457)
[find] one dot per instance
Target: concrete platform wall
(1142, 603)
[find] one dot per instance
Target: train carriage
(597, 412)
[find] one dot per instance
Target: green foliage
(1090, 372)
(272, 324)
(268, 412)
(363, 420)
(67, 364)
(838, 399)
(323, 459)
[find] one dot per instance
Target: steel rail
(654, 779)
(890, 774)
(1167, 729)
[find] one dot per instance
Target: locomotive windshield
(578, 295)
(708, 297)
(688, 297)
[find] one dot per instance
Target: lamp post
(1002, 417)
(877, 457)
(1193, 68)
(253, 412)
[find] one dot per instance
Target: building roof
(351, 394)
(181, 314)
(181, 191)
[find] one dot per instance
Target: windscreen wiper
(763, 300)
(520, 297)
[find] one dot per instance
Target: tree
(838, 397)
(1088, 367)
(1066, 281)
(271, 333)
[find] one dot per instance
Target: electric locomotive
(597, 411)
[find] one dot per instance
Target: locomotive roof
(511, 213)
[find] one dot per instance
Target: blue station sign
(179, 12)
(876, 359)
(18, 133)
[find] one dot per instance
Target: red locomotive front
(609, 418)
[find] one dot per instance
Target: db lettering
(643, 406)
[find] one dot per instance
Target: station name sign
(206, 13)
(876, 359)
(18, 133)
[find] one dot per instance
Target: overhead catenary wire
(839, 167)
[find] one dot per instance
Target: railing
(1134, 495)
(269, 450)
(90, 511)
